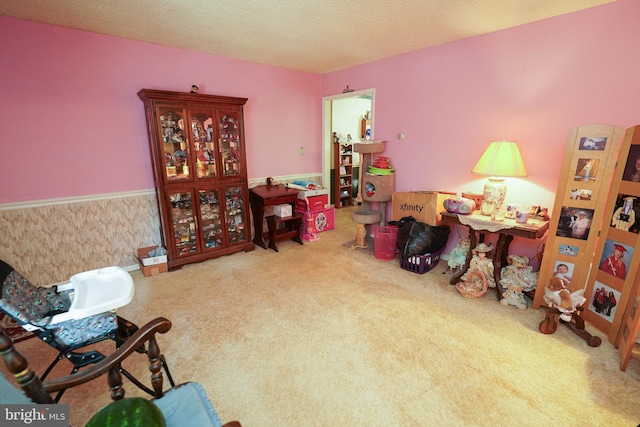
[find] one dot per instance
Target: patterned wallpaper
(50, 241)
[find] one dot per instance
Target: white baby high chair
(73, 315)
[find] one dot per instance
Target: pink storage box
(317, 222)
(316, 203)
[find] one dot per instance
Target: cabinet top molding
(163, 95)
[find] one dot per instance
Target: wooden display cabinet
(199, 166)
(343, 184)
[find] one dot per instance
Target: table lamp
(501, 159)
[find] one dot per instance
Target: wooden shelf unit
(200, 174)
(343, 181)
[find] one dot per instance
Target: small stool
(282, 228)
(363, 218)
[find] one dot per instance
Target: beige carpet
(323, 335)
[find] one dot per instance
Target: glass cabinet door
(230, 147)
(174, 143)
(211, 220)
(235, 214)
(204, 144)
(184, 223)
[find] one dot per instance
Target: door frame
(327, 132)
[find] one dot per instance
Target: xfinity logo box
(425, 206)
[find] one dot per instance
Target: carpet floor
(325, 335)
(13, 329)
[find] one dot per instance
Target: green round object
(131, 412)
(379, 171)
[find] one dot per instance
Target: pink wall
(530, 84)
(73, 124)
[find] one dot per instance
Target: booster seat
(72, 315)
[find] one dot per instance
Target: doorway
(333, 120)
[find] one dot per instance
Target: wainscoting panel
(50, 240)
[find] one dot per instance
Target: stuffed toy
(518, 272)
(513, 296)
(557, 295)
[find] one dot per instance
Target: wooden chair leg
(296, 225)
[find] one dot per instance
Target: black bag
(418, 238)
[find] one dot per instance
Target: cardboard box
(283, 210)
(425, 206)
(309, 193)
(317, 222)
(151, 266)
(316, 203)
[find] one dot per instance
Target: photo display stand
(586, 177)
(612, 292)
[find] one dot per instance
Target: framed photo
(592, 143)
(626, 213)
(586, 170)
(632, 168)
(564, 270)
(568, 250)
(580, 194)
(604, 301)
(615, 258)
(574, 222)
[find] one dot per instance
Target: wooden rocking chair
(183, 402)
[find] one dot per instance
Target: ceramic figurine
(482, 262)
(458, 255)
(518, 272)
(513, 296)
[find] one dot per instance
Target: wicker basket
(475, 285)
(420, 263)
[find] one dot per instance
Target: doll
(482, 262)
(518, 272)
(458, 255)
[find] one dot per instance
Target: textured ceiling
(309, 35)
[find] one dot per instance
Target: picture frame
(574, 222)
(603, 301)
(564, 270)
(568, 250)
(626, 213)
(632, 167)
(615, 258)
(580, 194)
(592, 143)
(586, 170)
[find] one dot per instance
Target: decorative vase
(495, 191)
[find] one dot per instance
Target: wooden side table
(508, 229)
(283, 228)
(268, 195)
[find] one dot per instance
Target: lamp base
(495, 191)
